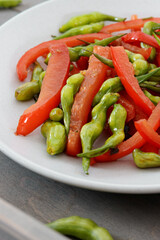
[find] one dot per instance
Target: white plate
(27, 30)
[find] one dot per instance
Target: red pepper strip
(128, 106)
(147, 147)
(94, 77)
(125, 71)
(136, 141)
(135, 17)
(158, 58)
(138, 36)
(147, 132)
(40, 50)
(55, 78)
(131, 24)
(145, 52)
(82, 63)
(75, 70)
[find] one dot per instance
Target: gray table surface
(127, 217)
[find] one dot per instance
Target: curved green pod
(92, 130)
(67, 96)
(85, 29)
(117, 123)
(81, 228)
(84, 19)
(146, 159)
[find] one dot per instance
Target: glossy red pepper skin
(136, 141)
(130, 24)
(139, 36)
(55, 78)
(125, 71)
(40, 50)
(147, 132)
(94, 77)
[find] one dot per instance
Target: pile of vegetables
(96, 80)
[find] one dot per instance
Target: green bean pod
(67, 96)
(117, 123)
(92, 130)
(148, 29)
(56, 114)
(154, 86)
(154, 99)
(55, 135)
(141, 67)
(85, 29)
(9, 3)
(81, 228)
(110, 85)
(115, 85)
(84, 19)
(146, 159)
(41, 78)
(27, 90)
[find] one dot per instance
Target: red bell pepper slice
(131, 24)
(145, 52)
(136, 141)
(82, 63)
(128, 106)
(125, 71)
(147, 147)
(40, 50)
(158, 58)
(139, 36)
(55, 78)
(94, 77)
(147, 132)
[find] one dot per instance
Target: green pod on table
(84, 19)
(67, 96)
(81, 228)
(36, 72)
(56, 114)
(9, 3)
(85, 29)
(154, 86)
(146, 159)
(92, 130)
(117, 123)
(55, 135)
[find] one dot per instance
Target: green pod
(148, 29)
(90, 18)
(146, 159)
(81, 228)
(154, 99)
(26, 91)
(47, 58)
(152, 66)
(140, 67)
(117, 123)
(41, 78)
(56, 114)
(67, 96)
(36, 72)
(110, 85)
(85, 29)
(55, 135)
(154, 86)
(92, 130)
(9, 3)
